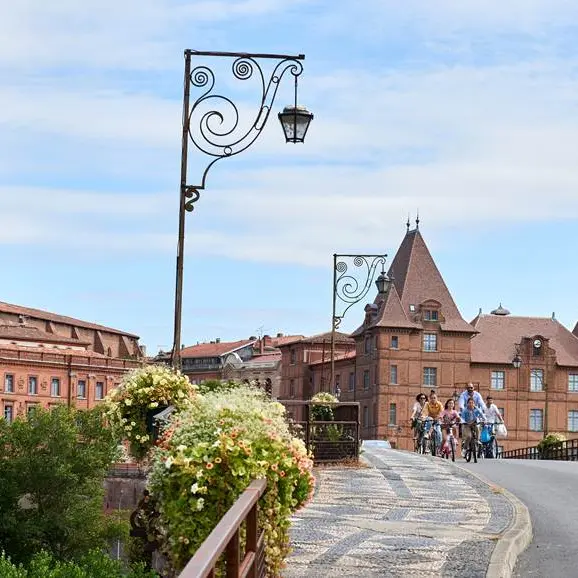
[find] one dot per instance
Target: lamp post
(205, 125)
(350, 289)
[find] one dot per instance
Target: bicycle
(472, 448)
(432, 426)
(421, 441)
(449, 447)
(488, 447)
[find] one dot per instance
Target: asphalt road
(549, 490)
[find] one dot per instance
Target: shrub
(96, 564)
(322, 410)
(209, 456)
(550, 441)
(143, 392)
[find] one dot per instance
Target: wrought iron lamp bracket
(213, 122)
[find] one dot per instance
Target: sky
(463, 110)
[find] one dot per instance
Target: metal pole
(332, 373)
(545, 384)
(176, 354)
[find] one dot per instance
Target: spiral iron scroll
(349, 288)
(213, 121)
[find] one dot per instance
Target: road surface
(549, 490)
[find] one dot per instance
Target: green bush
(96, 564)
(322, 408)
(550, 441)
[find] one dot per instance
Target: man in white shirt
(478, 399)
(493, 414)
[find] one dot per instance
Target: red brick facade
(414, 339)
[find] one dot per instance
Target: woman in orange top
(433, 409)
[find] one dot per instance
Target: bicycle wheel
(453, 450)
(482, 449)
(474, 449)
(493, 449)
(423, 445)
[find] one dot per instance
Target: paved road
(548, 488)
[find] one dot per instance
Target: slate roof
(338, 357)
(47, 316)
(499, 334)
(320, 338)
(215, 349)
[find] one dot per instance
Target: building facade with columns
(48, 359)
(413, 339)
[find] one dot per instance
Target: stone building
(48, 359)
(414, 339)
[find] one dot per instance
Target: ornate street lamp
(517, 361)
(212, 124)
(352, 288)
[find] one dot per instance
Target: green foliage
(322, 410)
(550, 441)
(209, 456)
(95, 564)
(51, 483)
(216, 385)
(142, 392)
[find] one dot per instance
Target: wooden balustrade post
(252, 539)
(233, 556)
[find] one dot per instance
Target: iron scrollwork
(213, 123)
(349, 287)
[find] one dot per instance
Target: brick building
(48, 359)
(414, 339)
(253, 359)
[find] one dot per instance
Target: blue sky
(466, 110)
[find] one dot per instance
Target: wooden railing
(225, 538)
(564, 451)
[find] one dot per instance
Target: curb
(514, 540)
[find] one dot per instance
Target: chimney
(262, 345)
(279, 335)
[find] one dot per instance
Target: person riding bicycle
(468, 393)
(493, 414)
(471, 417)
(433, 409)
(420, 401)
(449, 419)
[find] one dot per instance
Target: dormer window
(431, 315)
(412, 308)
(537, 347)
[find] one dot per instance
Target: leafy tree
(52, 468)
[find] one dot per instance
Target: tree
(52, 468)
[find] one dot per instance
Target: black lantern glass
(517, 361)
(295, 121)
(382, 283)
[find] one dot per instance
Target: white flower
(181, 448)
(216, 444)
(169, 463)
(194, 488)
(132, 423)
(127, 401)
(200, 504)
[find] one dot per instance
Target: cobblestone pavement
(403, 516)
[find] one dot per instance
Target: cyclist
(420, 401)
(471, 417)
(449, 418)
(468, 393)
(493, 413)
(433, 409)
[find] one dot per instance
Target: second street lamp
(205, 125)
(350, 288)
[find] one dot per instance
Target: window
(536, 420)
(430, 315)
(32, 385)
(536, 380)
(9, 383)
(351, 381)
(375, 342)
(393, 374)
(573, 420)
(365, 416)
(293, 357)
(81, 389)
(367, 347)
(55, 387)
(392, 414)
(498, 379)
(572, 382)
(412, 307)
(366, 379)
(99, 390)
(8, 412)
(30, 407)
(291, 388)
(430, 342)
(394, 342)
(430, 376)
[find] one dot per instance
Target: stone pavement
(404, 515)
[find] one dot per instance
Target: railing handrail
(205, 558)
(556, 448)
